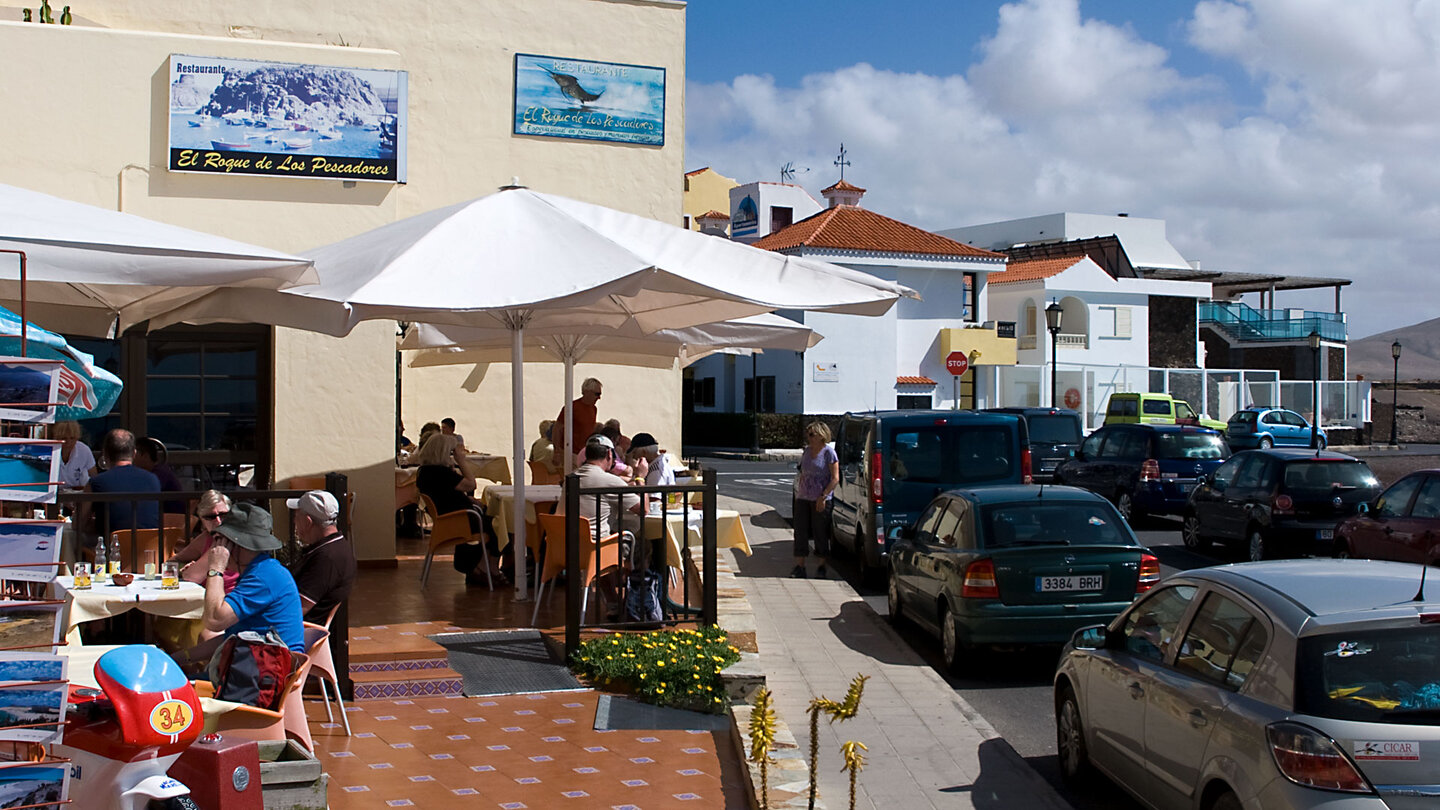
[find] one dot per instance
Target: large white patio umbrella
(522, 260)
(90, 270)
(460, 345)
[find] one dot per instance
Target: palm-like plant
(838, 711)
(854, 763)
(762, 741)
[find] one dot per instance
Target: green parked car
(1155, 409)
(1014, 565)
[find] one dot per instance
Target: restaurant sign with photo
(558, 97)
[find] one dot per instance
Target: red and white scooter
(122, 739)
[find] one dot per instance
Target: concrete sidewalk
(927, 746)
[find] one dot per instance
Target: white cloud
(1334, 175)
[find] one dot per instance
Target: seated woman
(450, 490)
(543, 450)
(191, 555)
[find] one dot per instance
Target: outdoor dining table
(104, 601)
(500, 500)
(675, 524)
(494, 468)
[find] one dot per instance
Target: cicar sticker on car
(1387, 749)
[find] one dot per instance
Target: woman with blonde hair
(212, 507)
(814, 485)
(77, 463)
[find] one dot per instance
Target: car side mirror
(1363, 508)
(1202, 480)
(1093, 637)
(901, 534)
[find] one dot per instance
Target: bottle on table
(114, 556)
(101, 563)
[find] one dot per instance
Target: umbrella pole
(517, 428)
(570, 413)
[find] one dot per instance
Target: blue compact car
(1263, 428)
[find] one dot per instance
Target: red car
(1403, 524)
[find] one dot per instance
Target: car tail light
(1025, 470)
(1149, 573)
(1150, 470)
(1283, 505)
(980, 581)
(1307, 757)
(879, 534)
(877, 482)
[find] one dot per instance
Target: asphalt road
(1014, 694)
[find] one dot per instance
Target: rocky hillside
(317, 96)
(1419, 357)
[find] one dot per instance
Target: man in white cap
(325, 572)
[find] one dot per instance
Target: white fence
(1216, 393)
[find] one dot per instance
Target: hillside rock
(315, 96)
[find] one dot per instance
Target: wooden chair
(322, 665)
(254, 723)
(540, 474)
(592, 565)
(305, 482)
(451, 529)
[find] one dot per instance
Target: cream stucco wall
(86, 110)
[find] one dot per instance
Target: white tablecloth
(103, 601)
(499, 502)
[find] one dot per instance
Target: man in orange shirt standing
(584, 420)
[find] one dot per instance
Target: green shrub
(679, 668)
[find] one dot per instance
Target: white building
(896, 360)
(759, 209)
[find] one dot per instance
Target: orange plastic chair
(592, 566)
(322, 666)
(451, 529)
(540, 474)
(254, 723)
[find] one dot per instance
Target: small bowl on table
(122, 579)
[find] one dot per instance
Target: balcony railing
(1065, 341)
(1245, 323)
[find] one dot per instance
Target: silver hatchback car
(1303, 683)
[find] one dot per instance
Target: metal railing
(1244, 322)
(673, 613)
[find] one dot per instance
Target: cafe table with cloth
(103, 601)
(499, 500)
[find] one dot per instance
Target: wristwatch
(214, 573)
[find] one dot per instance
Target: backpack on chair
(252, 668)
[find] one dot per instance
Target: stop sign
(957, 363)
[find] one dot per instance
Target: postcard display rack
(33, 684)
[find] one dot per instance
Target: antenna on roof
(1420, 594)
(842, 162)
(787, 172)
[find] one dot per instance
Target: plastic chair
(322, 665)
(540, 474)
(592, 565)
(254, 723)
(451, 529)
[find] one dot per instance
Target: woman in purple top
(819, 475)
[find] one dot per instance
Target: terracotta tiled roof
(843, 186)
(1035, 269)
(713, 215)
(697, 171)
(846, 227)
(903, 380)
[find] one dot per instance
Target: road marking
(765, 482)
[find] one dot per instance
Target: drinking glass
(170, 576)
(82, 576)
(150, 563)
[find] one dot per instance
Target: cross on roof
(841, 161)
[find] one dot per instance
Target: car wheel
(955, 654)
(1226, 801)
(892, 601)
(1255, 547)
(1342, 550)
(1125, 505)
(1190, 533)
(1266, 443)
(1070, 739)
(1321, 441)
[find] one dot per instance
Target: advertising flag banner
(557, 97)
(242, 116)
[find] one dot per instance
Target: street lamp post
(1053, 314)
(1315, 390)
(1395, 395)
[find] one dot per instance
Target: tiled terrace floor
(516, 751)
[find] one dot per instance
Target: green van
(894, 463)
(1155, 409)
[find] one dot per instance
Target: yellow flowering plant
(652, 666)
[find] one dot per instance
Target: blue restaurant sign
(597, 101)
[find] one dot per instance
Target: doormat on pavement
(619, 713)
(505, 662)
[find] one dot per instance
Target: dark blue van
(893, 463)
(1055, 435)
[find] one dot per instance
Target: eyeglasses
(212, 516)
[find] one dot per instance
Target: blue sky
(1288, 136)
